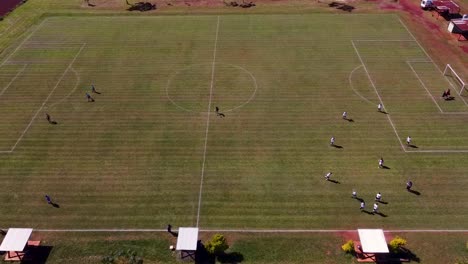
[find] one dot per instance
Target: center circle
(232, 87)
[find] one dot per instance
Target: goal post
(449, 71)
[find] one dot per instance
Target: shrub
(217, 245)
(122, 257)
(348, 247)
(396, 243)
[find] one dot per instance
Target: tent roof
(187, 238)
(373, 241)
(16, 239)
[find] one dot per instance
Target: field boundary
(255, 230)
(388, 115)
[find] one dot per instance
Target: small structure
(187, 242)
(15, 242)
(459, 26)
(445, 8)
(372, 245)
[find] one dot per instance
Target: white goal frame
(453, 73)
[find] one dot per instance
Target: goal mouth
(456, 81)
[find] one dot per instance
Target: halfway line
(207, 122)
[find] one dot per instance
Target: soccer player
(363, 204)
(90, 99)
(47, 197)
(379, 107)
(332, 141)
(408, 140)
(376, 208)
(328, 175)
(48, 117)
(354, 194)
(378, 197)
(381, 163)
(217, 109)
(409, 184)
(345, 115)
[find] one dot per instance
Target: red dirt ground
(8, 5)
(432, 32)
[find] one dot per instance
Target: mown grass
(133, 159)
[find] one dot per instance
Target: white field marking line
(438, 151)
(78, 79)
(386, 40)
(256, 230)
(47, 98)
(427, 54)
(13, 80)
(424, 86)
(378, 95)
(21, 44)
(207, 122)
(352, 87)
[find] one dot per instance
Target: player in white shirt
(332, 141)
(378, 197)
(408, 140)
(328, 175)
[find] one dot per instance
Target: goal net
(454, 78)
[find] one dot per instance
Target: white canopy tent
(15, 241)
(373, 241)
(187, 241)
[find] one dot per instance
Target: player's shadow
(384, 112)
(349, 119)
(359, 199)
(367, 212)
(55, 205)
(412, 146)
(382, 202)
(336, 182)
(414, 192)
(337, 146)
(385, 167)
(381, 214)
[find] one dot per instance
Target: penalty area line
(47, 98)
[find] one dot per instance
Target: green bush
(217, 245)
(348, 247)
(396, 243)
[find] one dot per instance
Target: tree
(217, 245)
(348, 247)
(397, 243)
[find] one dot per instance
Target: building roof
(373, 241)
(187, 238)
(16, 239)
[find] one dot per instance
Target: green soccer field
(151, 150)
